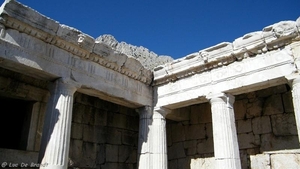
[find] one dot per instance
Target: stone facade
(104, 135)
(90, 103)
(265, 122)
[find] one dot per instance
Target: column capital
(145, 111)
(162, 110)
(221, 97)
(64, 85)
(293, 79)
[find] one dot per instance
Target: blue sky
(169, 27)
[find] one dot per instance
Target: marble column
(55, 142)
(152, 149)
(296, 102)
(226, 147)
(144, 142)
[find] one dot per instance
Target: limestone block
(240, 109)
(76, 37)
(76, 131)
(284, 161)
(209, 130)
(203, 163)
(176, 151)
(279, 31)
(89, 154)
(248, 42)
(132, 123)
(113, 136)
(244, 159)
(178, 132)
(260, 161)
(205, 146)
(184, 163)
(112, 153)
(271, 91)
(220, 50)
(88, 116)
(284, 124)
(129, 137)
(248, 140)
(124, 153)
(255, 108)
(78, 111)
(173, 164)
(273, 105)
(190, 147)
(94, 134)
(169, 134)
(116, 120)
(244, 126)
(201, 113)
(270, 142)
(193, 132)
(101, 118)
(261, 125)
(110, 165)
(101, 154)
(75, 152)
(288, 102)
(29, 16)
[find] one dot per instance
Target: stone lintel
(163, 111)
(263, 71)
(271, 38)
(14, 15)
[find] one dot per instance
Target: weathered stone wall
(103, 134)
(265, 122)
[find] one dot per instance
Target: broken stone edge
(272, 37)
(14, 15)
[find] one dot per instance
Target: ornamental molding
(14, 15)
(271, 38)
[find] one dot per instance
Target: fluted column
(226, 147)
(152, 150)
(54, 149)
(296, 102)
(144, 142)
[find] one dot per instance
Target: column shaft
(226, 147)
(152, 150)
(296, 102)
(54, 149)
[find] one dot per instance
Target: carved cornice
(13, 16)
(272, 37)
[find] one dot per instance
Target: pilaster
(54, 149)
(226, 147)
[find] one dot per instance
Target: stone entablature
(26, 20)
(271, 38)
(45, 49)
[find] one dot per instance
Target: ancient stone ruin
(72, 101)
